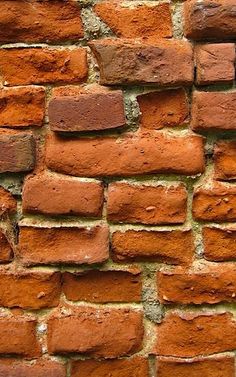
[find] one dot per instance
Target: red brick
(217, 366)
(196, 334)
(8, 204)
(131, 367)
(96, 332)
(43, 65)
(22, 107)
(146, 204)
(167, 108)
(39, 368)
(161, 62)
(18, 337)
(225, 160)
(6, 252)
(213, 111)
(207, 20)
(215, 63)
(137, 21)
(134, 154)
(86, 109)
(153, 246)
(39, 22)
(103, 286)
(29, 290)
(17, 151)
(215, 204)
(219, 244)
(63, 245)
(52, 195)
(200, 284)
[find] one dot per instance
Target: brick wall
(117, 197)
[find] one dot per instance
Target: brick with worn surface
(134, 154)
(43, 65)
(22, 107)
(138, 21)
(99, 333)
(146, 204)
(219, 243)
(162, 62)
(215, 63)
(63, 245)
(215, 204)
(18, 337)
(53, 195)
(38, 368)
(210, 20)
(215, 366)
(103, 286)
(213, 111)
(153, 246)
(200, 284)
(225, 160)
(167, 108)
(8, 204)
(136, 366)
(86, 109)
(17, 151)
(6, 252)
(39, 21)
(29, 290)
(195, 334)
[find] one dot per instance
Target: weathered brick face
(117, 188)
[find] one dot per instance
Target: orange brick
(30, 290)
(43, 65)
(146, 204)
(63, 245)
(102, 286)
(167, 108)
(153, 246)
(22, 107)
(195, 334)
(96, 332)
(138, 21)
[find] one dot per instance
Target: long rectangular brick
(210, 20)
(103, 286)
(146, 204)
(86, 109)
(39, 368)
(133, 155)
(131, 367)
(196, 334)
(153, 246)
(201, 284)
(153, 20)
(215, 366)
(22, 107)
(52, 195)
(161, 62)
(17, 151)
(43, 65)
(63, 245)
(96, 332)
(30, 290)
(39, 21)
(213, 111)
